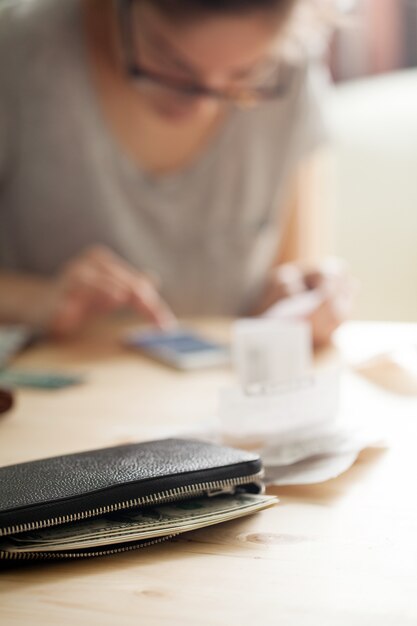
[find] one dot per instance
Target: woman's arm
(302, 262)
(307, 232)
(22, 298)
(97, 281)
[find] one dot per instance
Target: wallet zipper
(42, 556)
(213, 488)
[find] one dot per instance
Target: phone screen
(181, 348)
(181, 342)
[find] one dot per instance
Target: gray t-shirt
(210, 231)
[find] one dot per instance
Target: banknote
(139, 524)
(38, 379)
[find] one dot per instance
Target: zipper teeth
(153, 499)
(43, 556)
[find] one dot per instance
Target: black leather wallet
(116, 499)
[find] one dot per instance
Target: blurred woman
(160, 155)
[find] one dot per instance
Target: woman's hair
(203, 8)
(307, 22)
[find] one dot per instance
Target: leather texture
(108, 472)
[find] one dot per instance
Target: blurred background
(379, 36)
(373, 111)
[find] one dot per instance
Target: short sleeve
(3, 141)
(311, 126)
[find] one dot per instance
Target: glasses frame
(242, 96)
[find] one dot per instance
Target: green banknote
(139, 524)
(38, 379)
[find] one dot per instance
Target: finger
(83, 293)
(324, 321)
(69, 317)
(284, 281)
(332, 273)
(104, 259)
(289, 280)
(79, 306)
(104, 295)
(144, 296)
(314, 279)
(99, 287)
(147, 301)
(97, 265)
(141, 292)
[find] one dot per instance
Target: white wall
(375, 132)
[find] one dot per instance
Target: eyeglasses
(272, 82)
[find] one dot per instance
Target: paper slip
(311, 471)
(305, 457)
(271, 351)
(271, 411)
(322, 454)
(330, 439)
(299, 306)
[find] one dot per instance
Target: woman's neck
(154, 143)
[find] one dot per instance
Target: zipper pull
(212, 493)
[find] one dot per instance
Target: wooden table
(340, 553)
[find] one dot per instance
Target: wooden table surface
(340, 553)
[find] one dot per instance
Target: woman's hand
(331, 285)
(98, 281)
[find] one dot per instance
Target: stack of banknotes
(138, 524)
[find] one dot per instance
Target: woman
(155, 154)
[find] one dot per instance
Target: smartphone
(180, 348)
(14, 339)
